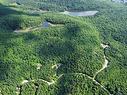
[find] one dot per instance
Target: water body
(46, 24)
(83, 13)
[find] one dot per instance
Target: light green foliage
(74, 44)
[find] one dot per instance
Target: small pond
(46, 24)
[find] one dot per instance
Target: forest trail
(56, 66)
(43, 25)
(105, 65)
(91, 78)
(49, 83)
(96, 82)
(19, 89)
(27, 29)
(27, 81)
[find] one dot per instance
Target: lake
(83, 13)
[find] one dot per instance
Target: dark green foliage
(78, 84)
(15, 22)
(70, 5)
(28, 89)
(73, 43)
(55, 45)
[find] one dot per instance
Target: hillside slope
(43, 52)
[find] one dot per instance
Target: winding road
(58, 65)
(105, 65)
(27, 29)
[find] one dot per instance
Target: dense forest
(62, 5)
(44, 52)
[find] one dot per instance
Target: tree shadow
(73, 29)
(56, 49)
(10, 19)
(5, 10)
(3, 70)
(62, 51)
(8, 23)
(61, 48)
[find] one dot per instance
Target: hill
(44, 52)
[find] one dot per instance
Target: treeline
(68, 5)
